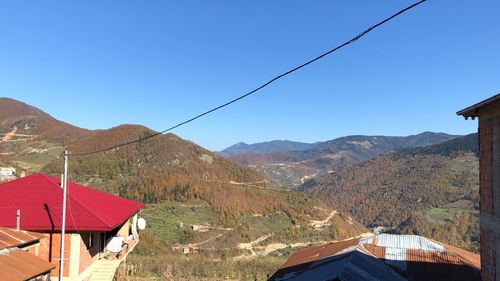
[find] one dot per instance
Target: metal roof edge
(472, 110)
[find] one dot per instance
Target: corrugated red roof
(39, 197)
(18, 265)
(14, 238)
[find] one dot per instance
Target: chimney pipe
(18, 220)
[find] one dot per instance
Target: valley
(431, 191)
(208, 217)
(292, 165)
(211, 218)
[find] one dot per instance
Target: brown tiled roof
(17, 265)
(12, 238)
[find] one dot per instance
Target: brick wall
(487, 255)
(488, 247)
(49, 251)
(485, 166)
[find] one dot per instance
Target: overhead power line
(354, 39)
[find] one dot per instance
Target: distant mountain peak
(265, 147)
(284, 162)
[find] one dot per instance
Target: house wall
(33, 249)
(78, 255)
(49, 251)
(124, 229)
(80, 250)
(89, 250)
(74, 258)
(489, 176)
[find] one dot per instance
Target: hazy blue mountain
(266, 147)
(292, 168)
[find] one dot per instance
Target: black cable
(355, 38)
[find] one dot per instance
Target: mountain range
(249, 224)
(430, 191)
(424, 184)
(291, 164)
(265, 147)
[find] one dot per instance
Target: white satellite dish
(141, 224)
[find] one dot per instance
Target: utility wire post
(64, 184)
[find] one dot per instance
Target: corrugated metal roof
(435, 266)
(468, 257)
(17, 265)
(473, 110)
(411, 254)
(404, 242)
(12, 238)
(415, 257)
(353, 265)
(314, 253)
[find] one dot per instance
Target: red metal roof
(14, 238)
(39, 197)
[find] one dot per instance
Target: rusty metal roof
(473, 110)
(14, 238)
(17, 265)
(350, 265)
(416, 258)
(338, 260)
(314, 253)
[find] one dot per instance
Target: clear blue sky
(98, 64)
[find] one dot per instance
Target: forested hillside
(292, 168)
(238, 224)
(19, 121)
(244, 217)
(31, 138)
(432, 191)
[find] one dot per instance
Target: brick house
(488, 112)
(97, 223)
